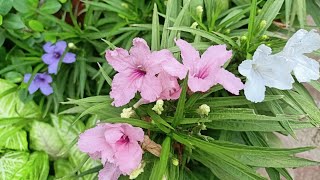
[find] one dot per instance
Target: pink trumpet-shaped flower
(116, 145)
(138, 70)
(207, 71)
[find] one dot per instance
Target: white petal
(245, 68)
(303, 42)
(277, 73)
(261, 53)
(254, 90)
(307, 69)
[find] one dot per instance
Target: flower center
(57, 55)
(124, 139)
(202, 73)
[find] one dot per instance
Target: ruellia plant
(131, 89)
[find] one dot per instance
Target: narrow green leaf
(155, 37)
(178, 116)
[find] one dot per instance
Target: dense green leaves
(11, 163)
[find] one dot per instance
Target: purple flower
(54, 53)
(40, 81)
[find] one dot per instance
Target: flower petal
(26, 77)
(307, 69)
(33, 87)
(128, 157)
(229, 81)
(48, 47)
(93, 140)
(119, 59)
(170, 87)
(140, 51)
(254, 90)
(245, 68)
(197, 84)
(69, 58)
(169, 64)
(303, 42)
(49, 59)
(53, 68)
(150, 88)
(46, 89)
(60, 47)
(122, 91)
(134, 133)
(217, 55)
(109, 172)
(188, 53)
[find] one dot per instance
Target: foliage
(38, 135)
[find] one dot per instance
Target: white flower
(305, 69)
(158, 107)
(203, 109)
(127, 113)
(265, 70)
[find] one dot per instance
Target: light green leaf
(11, 163)
(36, 25)
(17, 141)
(50, 6)
(43, 137)
(6, 6)
(62, 167)
(25, 6)
(13, 21)
(38, 166)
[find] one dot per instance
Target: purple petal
(34, 86)
(26, 77)
(109, 172)
(53, 68)
(48, 47)
(46, 77)
(46, 89)
(69, 58)
(49, 58)
(60, 47)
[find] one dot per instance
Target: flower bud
(158, 107)
(175, 161)
(227, 31)
(203, 110)
(264, 37)
(199, 11)
(194, 25)
(72, 46)
(262, 24)
(243, 38)
(125, 5)
(135, 173)
(127, 113)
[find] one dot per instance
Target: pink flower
(116, 145)
(207, 71)
(138, 70)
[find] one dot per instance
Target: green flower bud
(243, 38)
(203, 110)
(175, 161)
(125, 5)
(264, 37)
(262, 24)
(199, 11)
(194, 25)
(127, 113)
(158, 107)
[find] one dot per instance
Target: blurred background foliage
(37, 138)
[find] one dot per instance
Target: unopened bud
(125, 5)
(194, 25)
(72, 46)
(127, 113)
(175, 161)
(158, 107)
(199, 11)
(262, 24)
(243, 38)
(203, 110)
(227, 31)
(264, 37)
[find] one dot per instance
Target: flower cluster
(116, 145)
(155, 74)
(52, 56)
(275, 70)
